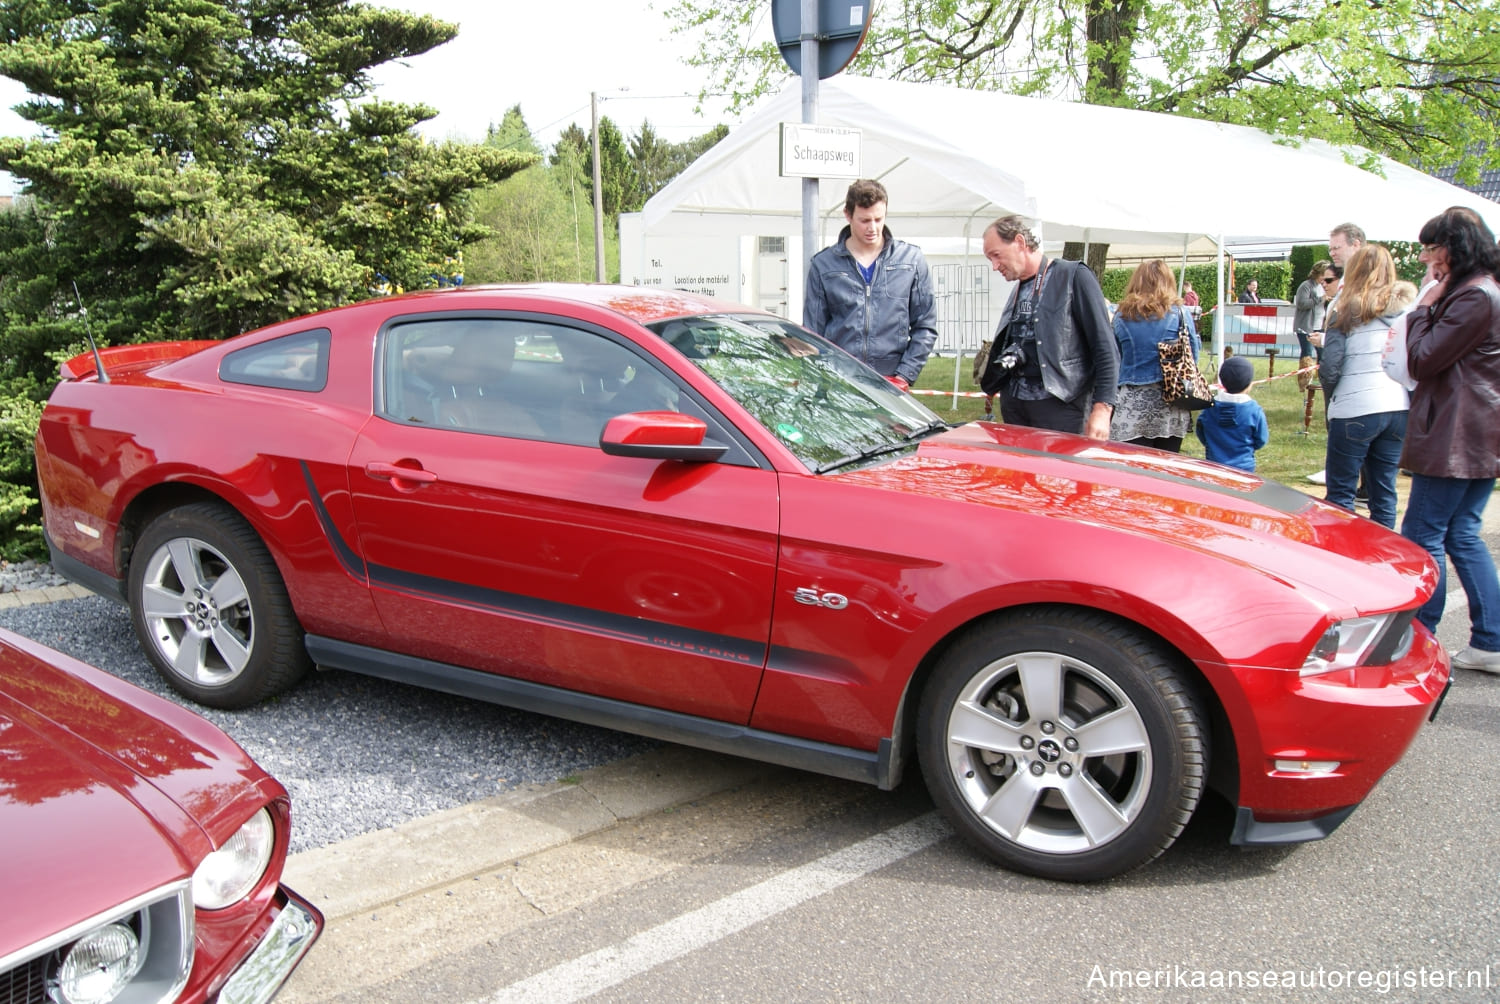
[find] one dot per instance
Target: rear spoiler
(129, 357)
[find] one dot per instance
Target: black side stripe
(346, 555)
(639, 630)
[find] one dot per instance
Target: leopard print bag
(1182, 384)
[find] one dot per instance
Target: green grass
(1288, 458)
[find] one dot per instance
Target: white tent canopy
(953, 160)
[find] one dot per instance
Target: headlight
(99, 965)
(1345, 644)
(229, 873)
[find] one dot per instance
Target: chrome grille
(25, 984)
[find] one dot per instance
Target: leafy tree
(512, 133)
(1414, 80)
(30, 333)
(657, 162)
(651, 158)
(616, 170)
(532, 231)
(684, 153)
(574, 180)
(572, 144)
(541, 218)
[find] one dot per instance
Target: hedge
(1278, 279)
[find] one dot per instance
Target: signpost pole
(599, 274)
(809, 39)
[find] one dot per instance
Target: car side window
(605, 379)
(463, 373)
(513, 377)
(291, 362)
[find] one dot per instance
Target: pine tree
(211, 167)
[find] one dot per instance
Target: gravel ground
(15, 575)
(356, 753)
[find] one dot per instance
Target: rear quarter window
(291, 362)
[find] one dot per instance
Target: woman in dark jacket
(1453, 438)
(1311, 300)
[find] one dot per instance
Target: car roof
(643, 304)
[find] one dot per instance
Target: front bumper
(286, 941)
(1250, 832)
(1318, 745)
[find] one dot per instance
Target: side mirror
(659, 435)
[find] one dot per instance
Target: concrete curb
(365, 872)
(49, 594)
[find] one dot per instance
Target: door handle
(401, 478)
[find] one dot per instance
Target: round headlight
(230, 872)
(99, 965)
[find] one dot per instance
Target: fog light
(99, 965)
(1307, 766)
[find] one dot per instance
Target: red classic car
(140, 848)
(696, 521)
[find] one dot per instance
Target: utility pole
(599, 275)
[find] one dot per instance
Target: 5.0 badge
(813, 598)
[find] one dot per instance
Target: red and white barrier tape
(980, 394)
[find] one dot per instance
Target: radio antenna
(98, 360)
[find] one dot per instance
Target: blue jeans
(1372, 442)
(1446, 514)
(1306, 347)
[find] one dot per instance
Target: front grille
(161, 918)
(25, 984)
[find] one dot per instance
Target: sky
(546, 56)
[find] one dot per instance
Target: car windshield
(828, 408)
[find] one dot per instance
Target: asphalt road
(800, 888)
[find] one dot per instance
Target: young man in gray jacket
(870, 294)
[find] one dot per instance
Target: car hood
(106, 792)
(1217, 511)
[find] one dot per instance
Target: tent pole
(959, 363)
(1182, 272)
(958, 357)
(1218, 340)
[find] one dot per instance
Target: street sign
(841, 31)
(810, 151)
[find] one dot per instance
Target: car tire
(1063, 743)
(210, 608)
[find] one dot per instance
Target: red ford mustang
(140, 848)
(696, 521)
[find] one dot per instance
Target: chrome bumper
(264, 970)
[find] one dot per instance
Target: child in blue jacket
(1234, 426)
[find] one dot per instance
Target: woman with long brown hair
(1366, 409)
(1150, 313)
